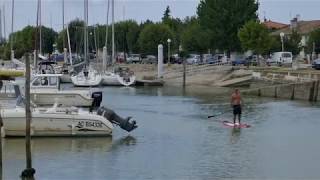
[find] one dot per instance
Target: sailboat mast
(12, 21)
(1, 37)
(63, 24)
(4, 22)
(40, 30)
(113, 46)
(86, 30)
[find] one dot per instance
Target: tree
(166, 14)
(314, 41)
(49, 37)
(175, 25)
(153, 35)
(76, 28)
(255, 36)
(194, 38)
(292, 42)
(223, 19)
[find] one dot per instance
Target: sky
(140, 10)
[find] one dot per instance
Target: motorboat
(120, 77)
(45, 90)
(62, 121)
(87, 78)
(55, 121)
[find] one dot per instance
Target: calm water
(176, 140)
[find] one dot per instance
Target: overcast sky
(140, 10)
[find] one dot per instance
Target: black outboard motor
(114, 118)
(97, 99)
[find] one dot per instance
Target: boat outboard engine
(97, 99)
(114, 118)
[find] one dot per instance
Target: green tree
(194, 38)
(292, 42)
(175, 25)
(153, 35)
(255, 36)
(166, 14)
(314, 41)
(76, 28)
(48, 38)
(223, 19)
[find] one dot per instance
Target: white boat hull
(90, 81)
(67, 98)
(54, 124)
(127, 81)
(65, 78)
(112, 79)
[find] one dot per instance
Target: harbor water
(176, 140)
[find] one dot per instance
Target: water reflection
(124, 141)
(235, 135)
(49, 153)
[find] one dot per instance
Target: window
(286, 55)
(36, 82)
(53, 81)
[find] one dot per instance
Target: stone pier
(308, 91)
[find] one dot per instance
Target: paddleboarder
(236, 102)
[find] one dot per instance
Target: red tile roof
(274, 25)
(302, 27)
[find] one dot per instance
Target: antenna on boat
(113, 45)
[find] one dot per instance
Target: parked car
(134, 58)
(252, 60)
(194, 59)
(239, 61)
(316, 64)
(149, 59)
(280, 58)
(206, 58)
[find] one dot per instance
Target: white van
(280, 58)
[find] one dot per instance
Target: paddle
(218, 114)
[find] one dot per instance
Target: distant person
(236, 102)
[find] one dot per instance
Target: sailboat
(88, 77)
(119, 76)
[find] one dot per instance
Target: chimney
(294, 22)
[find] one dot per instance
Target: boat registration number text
(94, 124)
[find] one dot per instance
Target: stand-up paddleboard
(231, 124)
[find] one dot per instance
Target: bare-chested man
(236, 102)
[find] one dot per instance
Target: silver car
(134, 58)
(194, 59)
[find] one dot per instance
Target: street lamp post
(282, 36)
(169, 41)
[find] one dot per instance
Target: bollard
(316, 92)
(160, 61)
(293, 91)
(311, 91)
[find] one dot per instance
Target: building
(304, 28)
(273, 26)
